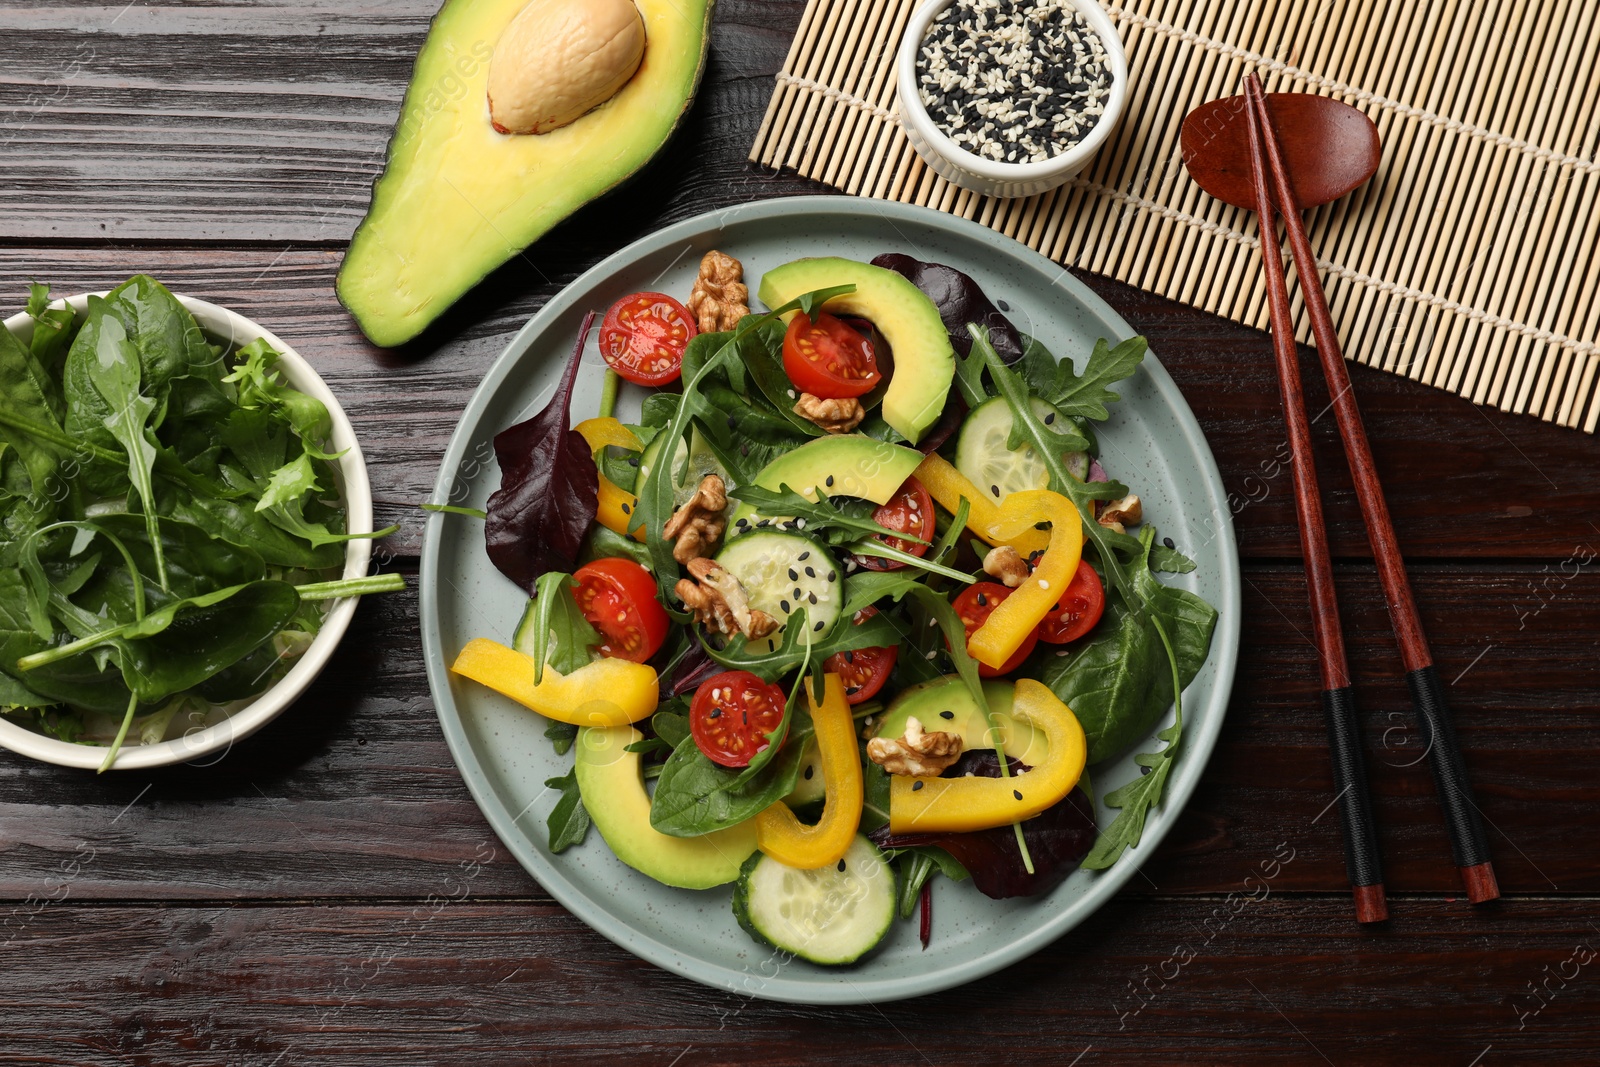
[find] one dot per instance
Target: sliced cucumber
(702, 460)
(522, 636)
(982, 455)
(784, 572)
(808, 784)
(830, 916)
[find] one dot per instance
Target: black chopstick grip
(1361, 856)
(1467, 843)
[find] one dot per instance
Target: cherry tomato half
(1079, 608)
(826, 358)
(731, 715)
(618, 597)
(973, 606)
(643, 337)
(909, 511)
(865, 670)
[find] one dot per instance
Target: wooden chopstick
(1468, 845)
(1363, 860)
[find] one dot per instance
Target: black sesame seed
(633, 461)
(833, 576)
(841, 866)
(626, 509)
(764, 522)
(818, 627)
(1017, 793)
(805, 555)
(995, 489)
(829, 482)
(716, 713)
(812, 597)
(983, 601)
(1050, 418)
(916, 786)
(1002, 305)
(794, 575)
(784, 606)
(810, 770)
(810, 573)
(947, 715)
(851, 690)
(742, 523)
(849, 657)
(1168, 542)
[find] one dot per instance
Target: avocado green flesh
(929, 702)
(612, 788)
(924, 363)
(859, 466)
(456, 199)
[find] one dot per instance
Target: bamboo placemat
(1468, 262)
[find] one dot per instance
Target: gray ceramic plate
(1151, 442)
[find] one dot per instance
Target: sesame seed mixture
(1014, 81)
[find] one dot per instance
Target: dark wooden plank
(1463, 481)
(245, 122)
(1248, 980)
(353, 793)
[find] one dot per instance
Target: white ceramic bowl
(248, 716)
(950, 161)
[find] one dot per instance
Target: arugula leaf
(771, 665)
(1170, 560)
(873, 547)
(819, 514)
(562, 638)
(568, 822)
(1081, 493)
(560, 735)
(1084, 396)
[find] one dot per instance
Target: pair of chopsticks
(1363, 861)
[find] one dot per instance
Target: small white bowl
(950, 161)
(252, 714)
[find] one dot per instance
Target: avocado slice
(946, 705)
(612, 788)
(456, 199)
(849, 464)
(924, 363)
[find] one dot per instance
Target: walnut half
(1120, 514)
(1002, 562)
(720, 297)
(719, 601)
(699, 524)
(918, 753)
(835, 416)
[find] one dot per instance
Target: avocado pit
(559, 59)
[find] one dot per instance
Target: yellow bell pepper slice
(607, 692)
(948, 486)
(957, 805)
(616, 503)
(1014, 619)
(785, 838)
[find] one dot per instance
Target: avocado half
(456, 199)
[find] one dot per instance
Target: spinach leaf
(104, 360)
(549, 488)
(1117, 680)
(568, 821)
(604, 541)
(695, 796)
(238, 524)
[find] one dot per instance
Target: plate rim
(843, 989)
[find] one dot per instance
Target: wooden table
(328, 892)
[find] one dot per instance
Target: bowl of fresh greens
(185, 528)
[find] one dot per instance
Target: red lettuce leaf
(549, 488)
(1058, 839)
(960, 300)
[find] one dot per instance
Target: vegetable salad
(851, 606)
